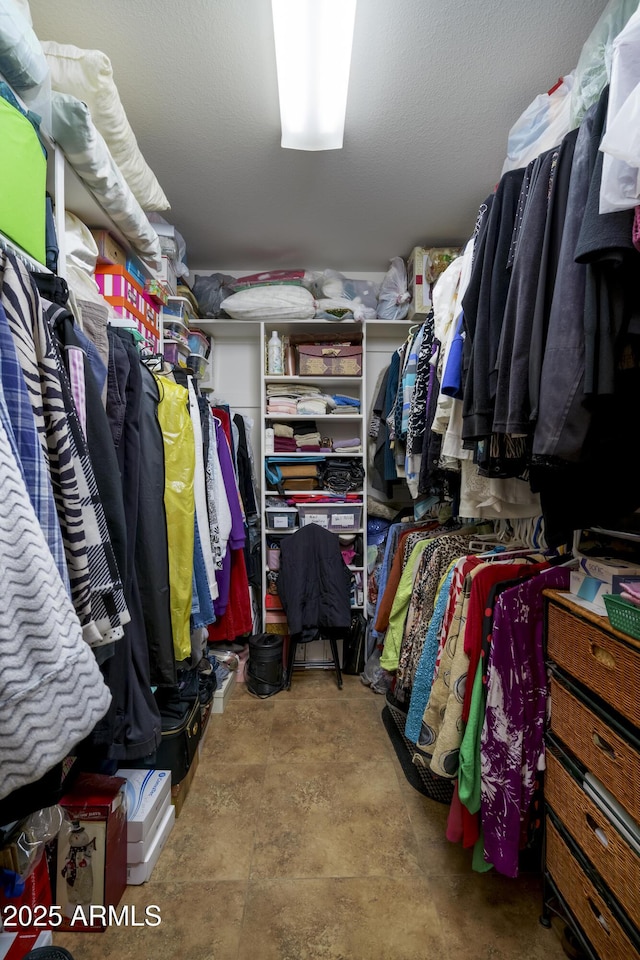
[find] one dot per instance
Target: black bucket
(264, 667)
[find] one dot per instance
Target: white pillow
(88, 75)
(89, 155)
(280, 301)
(25, 10)
(22, 62)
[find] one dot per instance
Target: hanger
(14, 251)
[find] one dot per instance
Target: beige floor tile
(332, 820)
(200, 921)
(345, 919)
(491, 917)
(322, 685)
(213, 836)
(342, 731)
(241, 734)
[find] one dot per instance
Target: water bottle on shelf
(274, 356)
(269, 440)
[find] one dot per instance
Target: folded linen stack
(282, 430)
(283, 406)
(312, 406)
(351, 445)
(284, 445)
(308, 442)
(291, 390)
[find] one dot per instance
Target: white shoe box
(140, 872)
(222, 694)
(146, 793)
(137, 852)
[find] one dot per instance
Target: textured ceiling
(434, 89)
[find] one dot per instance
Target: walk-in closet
(320, 526)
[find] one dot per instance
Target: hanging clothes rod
(30, 263)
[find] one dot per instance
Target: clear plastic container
(174, 352)
(336, 517)
(282, 518)
(198, 364)
(175, 330)
(198, 343)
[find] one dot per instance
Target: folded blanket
(312, 407)
(282, 430)
(351, 442)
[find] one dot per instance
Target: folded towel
(310, 448)
(345, 410)
(351, 442)
(284, 445)
(343, 400)
(357, 449)
(282, 430)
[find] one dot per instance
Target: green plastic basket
(623, 615)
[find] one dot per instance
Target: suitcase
(180, 737)
(180, 743)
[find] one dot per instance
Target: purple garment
(237, 535)
(512, 744)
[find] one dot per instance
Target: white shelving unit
(335, 426)
(238, 378)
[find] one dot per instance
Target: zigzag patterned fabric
(51, 689)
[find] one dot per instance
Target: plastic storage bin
(174, 352)
(281, 518)
(198, 343)
(198, 364)
(175, 330)
(336, 517)
(180, 307)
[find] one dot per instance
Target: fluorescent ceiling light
(313, 56)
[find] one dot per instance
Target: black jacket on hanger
(314, 583)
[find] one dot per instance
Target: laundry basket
(420, 776)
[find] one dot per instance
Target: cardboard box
(597, 576)
(168, 275)
(91, 862)
(138, 852)
(15, 946)
(140, 872)
(589, 590)
(180, 791)
(329, 360)
(146, 792)
(222, 694)
(109, 250)
(418, 284)
(606, 568)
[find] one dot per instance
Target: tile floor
(302, 840)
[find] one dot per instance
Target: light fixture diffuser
(313, 40)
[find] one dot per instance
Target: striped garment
(21, 303)
(96, 587)
(108, 605)
(52, 693)
(28, 449)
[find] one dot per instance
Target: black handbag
(341, 476)
(354, 645)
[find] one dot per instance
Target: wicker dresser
(592, 784)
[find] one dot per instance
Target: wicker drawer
(610, 758)
(599, 660)
(588, 906)
(613, 858)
